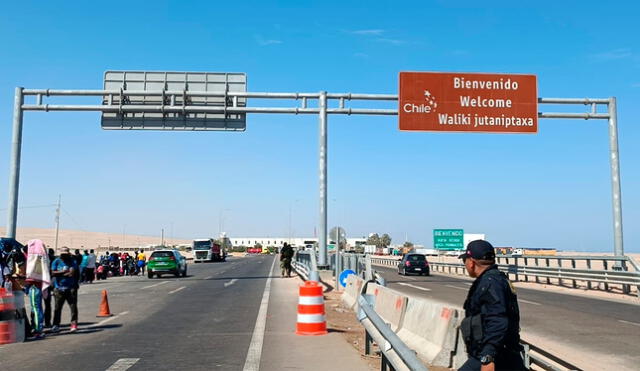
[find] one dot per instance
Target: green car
(166, 262)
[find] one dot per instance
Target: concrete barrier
(351, 292)
(390, 305)
(431, 329)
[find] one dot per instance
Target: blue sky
(551, 189)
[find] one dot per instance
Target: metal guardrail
(393, 350)
(543, 359)
(537, 272)
(305, 262)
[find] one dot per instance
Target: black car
(413, 263)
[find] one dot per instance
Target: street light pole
(55, 246)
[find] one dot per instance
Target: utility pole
(55, 246)
(162, 238)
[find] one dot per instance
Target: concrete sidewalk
(284, 350)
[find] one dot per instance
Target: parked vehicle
(413, 263)
(254, 250)
(517, 252)
(205, 250)
(166, 262)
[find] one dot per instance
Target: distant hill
(90, 240)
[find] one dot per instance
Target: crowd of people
(121, 264)
(41, 275)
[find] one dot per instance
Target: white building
(294, 241)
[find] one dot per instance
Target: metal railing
(538, 273)
(305, 263)
(394, 352)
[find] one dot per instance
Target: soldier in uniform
(491, 327)
(286, 255)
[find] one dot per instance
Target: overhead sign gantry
(203, 101)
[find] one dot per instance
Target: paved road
(593, 326)
(202, 322)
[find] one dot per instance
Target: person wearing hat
(64, 271)
(491, 327)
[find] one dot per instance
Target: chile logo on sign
(468, 102)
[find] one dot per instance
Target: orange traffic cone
(104, 306)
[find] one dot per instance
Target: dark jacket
(492, 314)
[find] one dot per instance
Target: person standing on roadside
(64, 272)
(286, 255)
(491, 327)
(91, 267)
(142, 261)
(78, 258)
(37, 281)
(48, 292)
(83, 266)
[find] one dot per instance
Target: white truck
(207, 250)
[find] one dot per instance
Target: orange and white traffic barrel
(7, 317)
(311, 315)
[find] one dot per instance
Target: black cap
(480, 250)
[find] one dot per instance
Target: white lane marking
(107, 320)
(528, 302)
(467, 283)
(629, 323)
(252, 363)
(123, 364)
(414, 286)
(155, 284)
(227, 284)
(457, 287)
(208, 278)
(411, 278)
(178, 289)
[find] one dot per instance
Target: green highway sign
(448, 239)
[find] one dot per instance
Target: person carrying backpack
(286, 256)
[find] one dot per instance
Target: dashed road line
(178, 289)
(629, 323)
(411, 278)
(208, 278)
(413, 286)
(155, 284)
(457, 287)
(227, 284)
(123, 364)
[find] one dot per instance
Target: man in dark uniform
(286, 255)
(491, 327)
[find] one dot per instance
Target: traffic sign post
(448, 239)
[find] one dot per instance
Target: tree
(408, 244)
(385, 240)
(373, 239)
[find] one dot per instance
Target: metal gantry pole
(618, 247)
(322, 121)
(14, 164)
